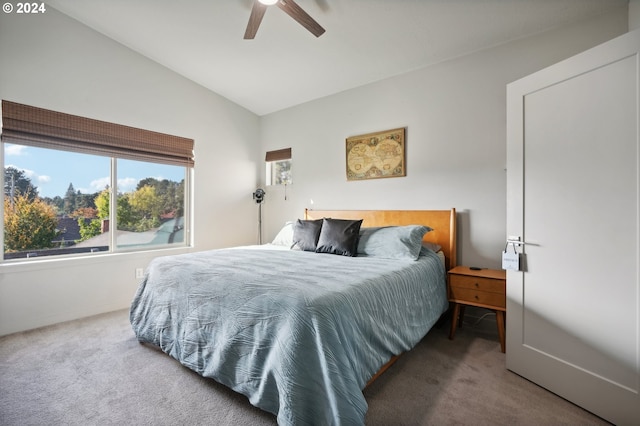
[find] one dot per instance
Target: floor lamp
(258, 196)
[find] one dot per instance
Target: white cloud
(28, 173)
(96, 185)
(33, 176)
(15, 150)
(37, 180)
(127, 184)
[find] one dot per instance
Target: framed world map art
(376, 155)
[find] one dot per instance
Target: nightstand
(485, 288)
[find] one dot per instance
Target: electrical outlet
(139, 272)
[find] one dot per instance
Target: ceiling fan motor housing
(289, 7)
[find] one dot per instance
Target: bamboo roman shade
(27, 125)
(279, 155)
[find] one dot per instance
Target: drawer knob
(476, 296)
(477, 285)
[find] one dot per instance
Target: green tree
(139, 210)
(179, 198)
(85, 200)
(145, 203)
(142, 209)
(170, 194)
(89, 229)
(17, 183)
(69, 200)
(101, 201)
(148, 182)
(28, 224)
(57, 202)
(126, 219)
(89, 225)
(97, 213)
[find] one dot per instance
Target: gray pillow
(339, 236)
(393, 242)
(432, 246)
(306, 234)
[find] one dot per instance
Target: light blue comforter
(298, 333)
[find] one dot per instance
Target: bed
(302, 332)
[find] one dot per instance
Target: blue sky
(52, 171)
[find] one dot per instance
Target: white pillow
(285, 236)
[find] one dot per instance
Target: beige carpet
(94, 372)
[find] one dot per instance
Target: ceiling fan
(290, 7)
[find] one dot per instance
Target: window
(278, 167)
(151, 212)
(75, 186)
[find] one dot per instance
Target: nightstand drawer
(482, 287)
(477, 283)
(472, 296)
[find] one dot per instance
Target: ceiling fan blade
(292, 9)
(257, 13)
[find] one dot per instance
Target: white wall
(634, 14)
(54, 62)
(454, 113)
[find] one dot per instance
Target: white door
(573, 315)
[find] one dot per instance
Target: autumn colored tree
(146, 206)
(87, 222)
(85, 213)
(92, 228)
(28, 224)
(170, 194)
(140, 210)
(102, 203)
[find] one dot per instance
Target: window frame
(113, 247)
(271, 159)
(46, 128)
(113, 208)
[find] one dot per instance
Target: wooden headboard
(443, 223)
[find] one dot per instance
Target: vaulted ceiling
(285, 65)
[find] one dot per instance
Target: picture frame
(376, 155)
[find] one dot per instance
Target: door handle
(515, 240)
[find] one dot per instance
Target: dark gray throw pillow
(306, 234)
(339, 236)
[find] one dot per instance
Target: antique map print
(376, 155)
